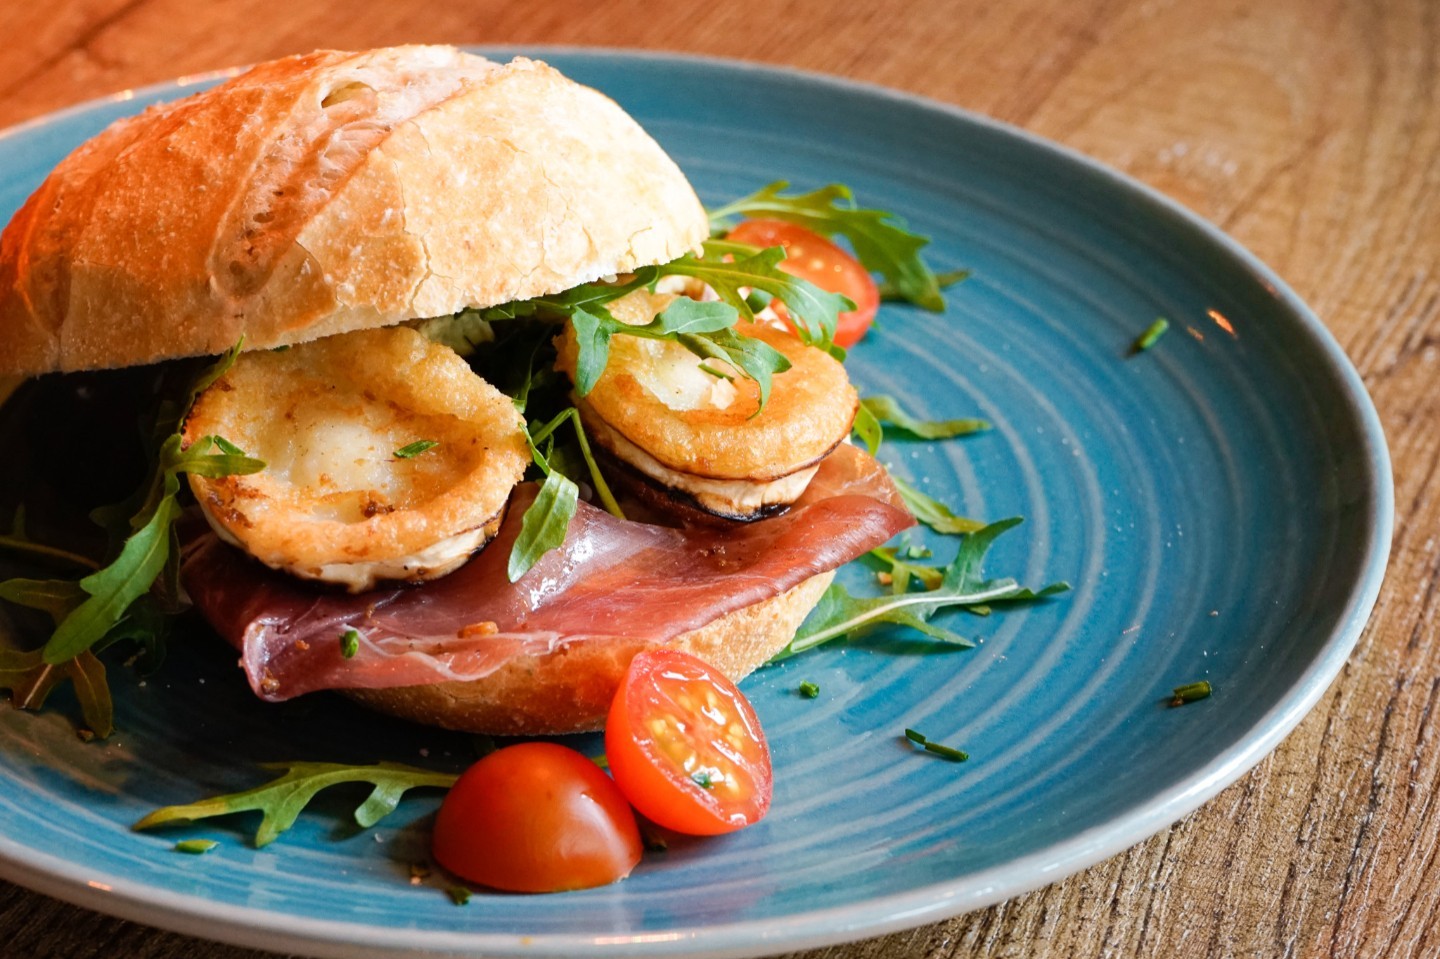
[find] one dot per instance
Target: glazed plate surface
(1221, 504)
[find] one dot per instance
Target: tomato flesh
(536, 817)
(685, 746)
(810, 256)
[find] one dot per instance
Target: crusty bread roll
(570, 690)
(336, 192)
(331, 192)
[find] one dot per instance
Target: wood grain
(1308, 129)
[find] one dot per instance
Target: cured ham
(612, 578)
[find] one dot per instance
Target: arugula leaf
(94, 607)
(759, 361)
(19, 541)
(814, 311)
(887, 410)
(962, 585)
(945, 280)
(932, 512)
(55, 596)
(685, 315)
(197, 458)
(112, 589)
(280, 801)
(867, 429)
(545, 523)
(880, 240)
(547, 519)
(145, 554)
(463, 332)
(592, 345)
(147, 624)
(704, 328)
(902, 571)
(31, 680)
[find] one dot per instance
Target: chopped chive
(1191, 692)
(228, 447)
(349, 643)
(1152, 333)
(703, 779)
(415, 449)
(944, 752)
(195, 847)
(948, 752)
(809, 690)
(459, 895)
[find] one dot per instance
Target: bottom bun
(570, 689)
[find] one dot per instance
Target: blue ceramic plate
(1222, 504)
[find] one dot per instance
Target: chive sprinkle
(944, 752)
(195, 847)
(809, 690)
(947, 752)
(349, 643)
(228, 447)
(459, 895)
(703, 779)
(1191, 692)
(1152, 333)
(415, 449)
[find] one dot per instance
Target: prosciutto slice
(612, 578)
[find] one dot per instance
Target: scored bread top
(331, 192)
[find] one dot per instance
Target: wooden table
(1307, 129)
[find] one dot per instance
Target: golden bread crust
(331, 192)
(570, 689)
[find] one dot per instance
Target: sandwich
(491, 414)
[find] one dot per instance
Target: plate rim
(255, 927)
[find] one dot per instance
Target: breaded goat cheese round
(691, 431)
(386, 457)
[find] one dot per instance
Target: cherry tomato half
(536, 817)
(685, 747)
(812, 257)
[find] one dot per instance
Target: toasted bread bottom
(569, 690)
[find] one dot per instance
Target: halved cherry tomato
(536, 817)
(685, 747)
(812, 257)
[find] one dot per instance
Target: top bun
(332, 192)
